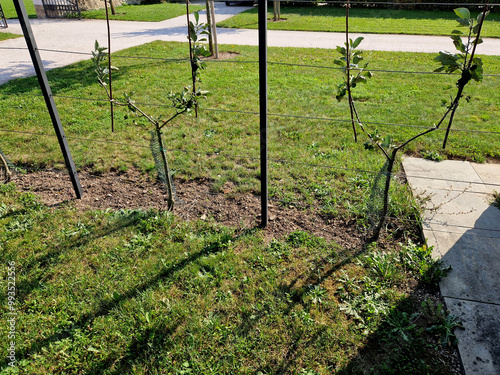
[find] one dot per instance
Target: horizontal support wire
(255, 158)
(331, 119)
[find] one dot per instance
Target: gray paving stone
(464, 229)
(475, 260)
(479, 342)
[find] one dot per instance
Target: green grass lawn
(10, 11)
(391, 103)
(379, 21)
(142, 292)
(4, 35)
(145, 13)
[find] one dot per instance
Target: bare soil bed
(196, 200)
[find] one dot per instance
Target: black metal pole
(263, 110)
(47, 94)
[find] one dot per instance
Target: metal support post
(263, 110)
(47, 94)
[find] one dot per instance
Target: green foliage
(419, 259)
(182, 102)
(443, 324)
(471, 67)
(432, 155)
(496, 199)
(198, 33)
(350, 61)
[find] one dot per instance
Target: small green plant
(432, 155)
(496, 199)
(443, 323)
(181, 102)
(382, 265)
(350, 62)
(402, 325)
(197, 33)
(465, 61)
(418, 259)
(315, 294)
(139, 242)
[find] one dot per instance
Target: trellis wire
(255, 158)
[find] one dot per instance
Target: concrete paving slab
(489, 174)
(475, 260)
(465, 232)
(479, 342)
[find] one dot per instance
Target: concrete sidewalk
(464, 229)
(78, 36)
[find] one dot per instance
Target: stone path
(464, 229)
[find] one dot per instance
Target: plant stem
(193, 71)
(8, 175)
(170, 192)
(109, 69)
(348, 70)
(465, 78)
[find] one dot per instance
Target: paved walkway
(79, 36)
(464, 229)
(465, 232)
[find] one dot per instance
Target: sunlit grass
(144, 13)
(377, 21)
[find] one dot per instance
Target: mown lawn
(134, 291)
(361, 20)
(138, 291)
(4, 36)
(10, 11)
(308, 150)
(144, 13)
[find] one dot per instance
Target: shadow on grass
(363, 12)
(137, 345)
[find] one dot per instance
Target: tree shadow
(159, 333)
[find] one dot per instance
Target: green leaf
(463, 13)
(357, 42)
(197, 17)
(387, 141)
(457, 41)
(341, 50)
(339, 62)
(463, 22)
(457, 32)
(480, 16)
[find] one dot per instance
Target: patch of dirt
(223, 56)
(196, 200)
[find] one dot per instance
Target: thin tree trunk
(213, 30)
(8, 175)
(209, 21)
(170, 189)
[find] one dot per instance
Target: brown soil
(196, 200)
